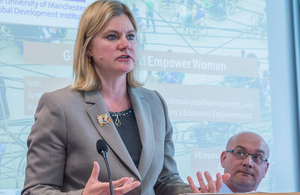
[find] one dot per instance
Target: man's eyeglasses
(241, 154)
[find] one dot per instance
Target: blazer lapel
(108, 132)
(145, 124)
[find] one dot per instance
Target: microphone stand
(103, 153)
(102, 149)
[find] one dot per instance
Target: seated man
(246, 160)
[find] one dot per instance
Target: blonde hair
(94, 17)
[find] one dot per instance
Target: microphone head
(101, 146)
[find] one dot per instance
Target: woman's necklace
(117, 121)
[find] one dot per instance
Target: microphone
(102, 150)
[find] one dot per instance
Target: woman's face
(114, 48)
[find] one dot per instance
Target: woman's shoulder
(145, 91)
(149, 93)
(64, 94)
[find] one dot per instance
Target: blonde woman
(105, 102)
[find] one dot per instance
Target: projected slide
(208, 60)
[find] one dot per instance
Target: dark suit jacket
(62, 144)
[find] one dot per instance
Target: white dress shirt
(225, 189)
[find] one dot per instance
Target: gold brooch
(103, 119)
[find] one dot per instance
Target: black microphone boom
(102, 149)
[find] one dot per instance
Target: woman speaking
(107, 102)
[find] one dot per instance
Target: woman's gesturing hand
(212, 186)
(120, 186)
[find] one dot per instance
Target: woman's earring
(89, 59)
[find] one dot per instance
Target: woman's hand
(212, 186)
(120, 186)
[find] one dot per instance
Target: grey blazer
(62, 145)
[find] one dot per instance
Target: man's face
(245, 174)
